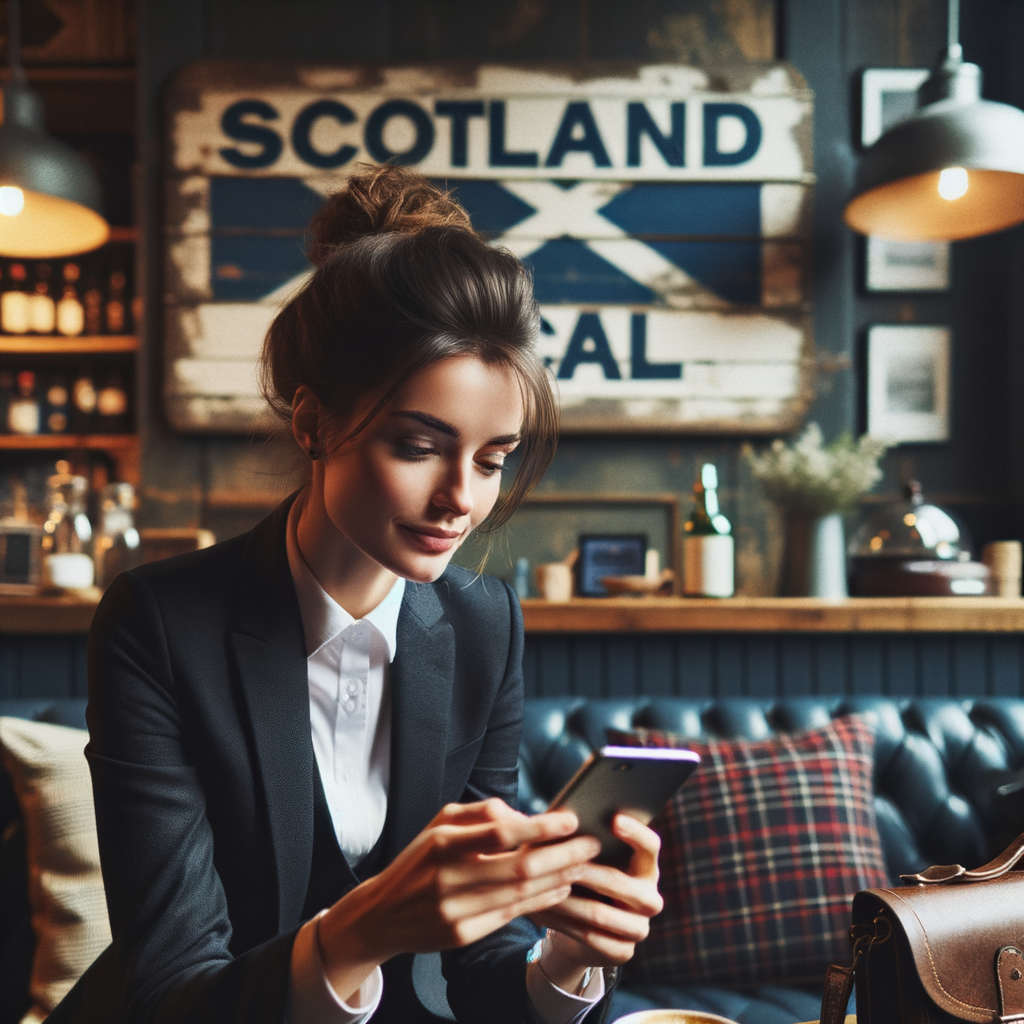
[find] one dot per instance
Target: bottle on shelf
(57, 411)
(15, 316)
(70, 311)
(67, 532)
(116, 308)
(83, 402)
(112, 407)
(42, 310)
(92, 299)
(708, 556)
(23, 411)
(116, 547)
(6, 396)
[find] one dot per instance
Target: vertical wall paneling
(796, 666)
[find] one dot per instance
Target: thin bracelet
(534, 955)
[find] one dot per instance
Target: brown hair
(401, 281)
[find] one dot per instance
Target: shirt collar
(322, 617)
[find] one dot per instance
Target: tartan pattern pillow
(762, 851)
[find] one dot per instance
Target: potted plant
(814, 484)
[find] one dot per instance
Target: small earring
(312, 453)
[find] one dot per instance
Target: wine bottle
(92, 299)
(708, 556)
(83, 403)
(117, 318)
(111, 406)
(6, 397)
(23, 410)
(58, 406)
(14, 305)
(70, 312)
(42, 310)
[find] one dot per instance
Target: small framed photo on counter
(908, 382)
(608, 555)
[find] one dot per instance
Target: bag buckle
(1010, 980)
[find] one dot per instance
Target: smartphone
(637, 781)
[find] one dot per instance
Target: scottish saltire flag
(668, 261)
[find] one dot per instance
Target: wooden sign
(663, 211)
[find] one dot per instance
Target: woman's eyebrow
(446, 428)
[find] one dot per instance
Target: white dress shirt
(350, 718)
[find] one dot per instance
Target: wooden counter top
(777, 615)
(68, 614)
(39, 614)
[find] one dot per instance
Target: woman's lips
(434, 541)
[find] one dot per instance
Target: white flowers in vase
(813, 479)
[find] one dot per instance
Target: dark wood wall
(226, 484)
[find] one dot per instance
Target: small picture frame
(608, 554)
(889, 95)
(899, 266)
(908, 383)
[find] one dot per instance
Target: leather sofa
(937, 765)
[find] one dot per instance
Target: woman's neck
(348, 575)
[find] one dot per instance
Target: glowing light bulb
(12, 200)
(953, 183)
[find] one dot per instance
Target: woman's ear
(307, 420)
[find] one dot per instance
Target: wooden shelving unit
(122, 448)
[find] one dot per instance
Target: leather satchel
(945, 949)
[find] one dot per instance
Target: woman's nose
(455, 493)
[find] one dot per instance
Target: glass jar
(67, 532)
(116, 548)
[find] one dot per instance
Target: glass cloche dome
(911, 529)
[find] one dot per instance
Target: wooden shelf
(33, 613)
(777, 615)
(39, 614)
(29, 344)
(123, 448)
(47, 442)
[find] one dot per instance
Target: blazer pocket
(458, 765)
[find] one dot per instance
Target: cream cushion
(69, 912)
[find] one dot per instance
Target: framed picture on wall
(889, 95)
(908, 383)
(898, 266)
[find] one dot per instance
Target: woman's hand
(589, 933)
(474, 868)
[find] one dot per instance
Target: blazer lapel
(422, 675)
(269, 647)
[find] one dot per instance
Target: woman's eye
(414, 451)
(490, 468)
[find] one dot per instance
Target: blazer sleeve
(487, 980)
(167, 906)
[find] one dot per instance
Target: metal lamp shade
(61, 194)
(897, 194)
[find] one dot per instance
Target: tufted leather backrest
(936, 760)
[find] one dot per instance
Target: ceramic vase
(814, 563)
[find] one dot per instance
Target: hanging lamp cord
(953, 26)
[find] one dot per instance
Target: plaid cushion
(762, 852)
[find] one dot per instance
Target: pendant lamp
(49, 196)
(955, 169)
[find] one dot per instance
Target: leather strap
(946, 874)
(1010, 977)
(836, 995)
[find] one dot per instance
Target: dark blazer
(202, 768)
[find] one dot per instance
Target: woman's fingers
(585, 915)
(645, 842)
(485, 831)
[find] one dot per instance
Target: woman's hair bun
(382, 199)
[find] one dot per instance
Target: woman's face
(427, 470)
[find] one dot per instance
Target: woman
(252, 874)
